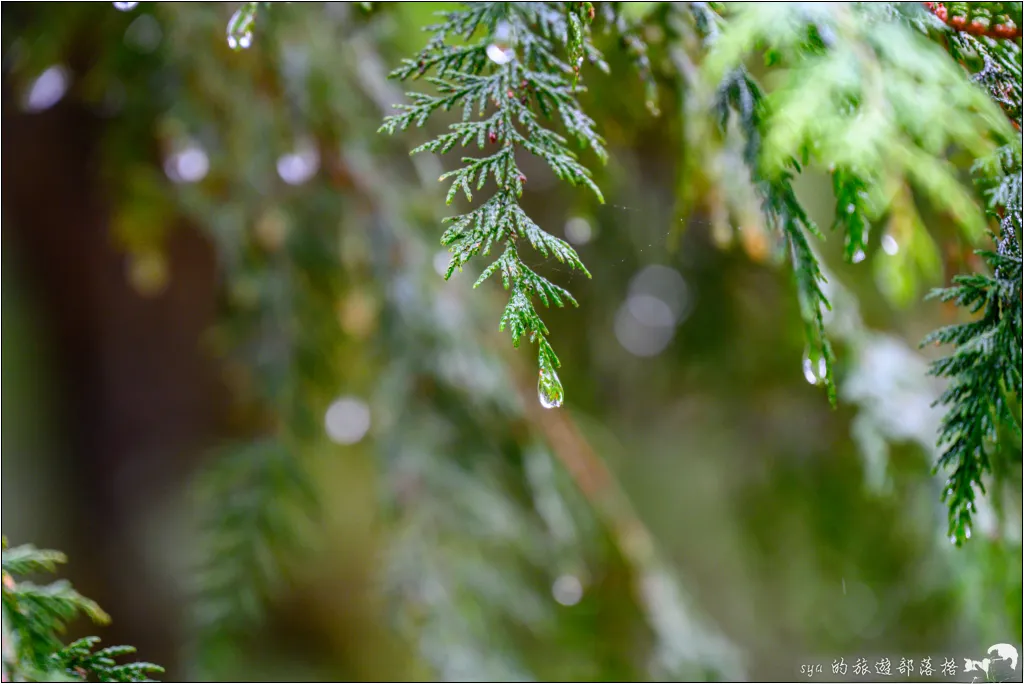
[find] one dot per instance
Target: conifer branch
(984, 373)
(508, 83)
(984, 370)
(256, 495)
(1000, 20)
(844, 105)
(35, 616)
(738, 94)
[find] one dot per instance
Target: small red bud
(493, 137)
(958, 22)
(522, 178)
(1005, 31)
(976, 28)
(511, 94)
(941, 12)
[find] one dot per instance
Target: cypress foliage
(525, 65)
(984, 371)
(865, 94)
(34, 617)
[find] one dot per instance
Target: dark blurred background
(277, 446)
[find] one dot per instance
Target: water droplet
(187, 165)
(549, 389)
(578, 231)
(347, 420)
(858, 256)
(240, 28)
(125, 6)
(567, 590)
(500, 55)
(241, 42)
(815, 367)
(850, 208)
(651, 311)
(47, 90)
(299, 166)
(952, 539)
(967, 531)
(889, 245)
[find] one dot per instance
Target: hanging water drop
(549, 389)
(567, 590)
(240, 27)
(188, 164)
(47, 90)
(125, 6)
(241, 42)
(815, 367)
(809, 371)
(500, 55)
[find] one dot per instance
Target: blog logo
(1004, 653)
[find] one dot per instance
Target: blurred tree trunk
(136, 396)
